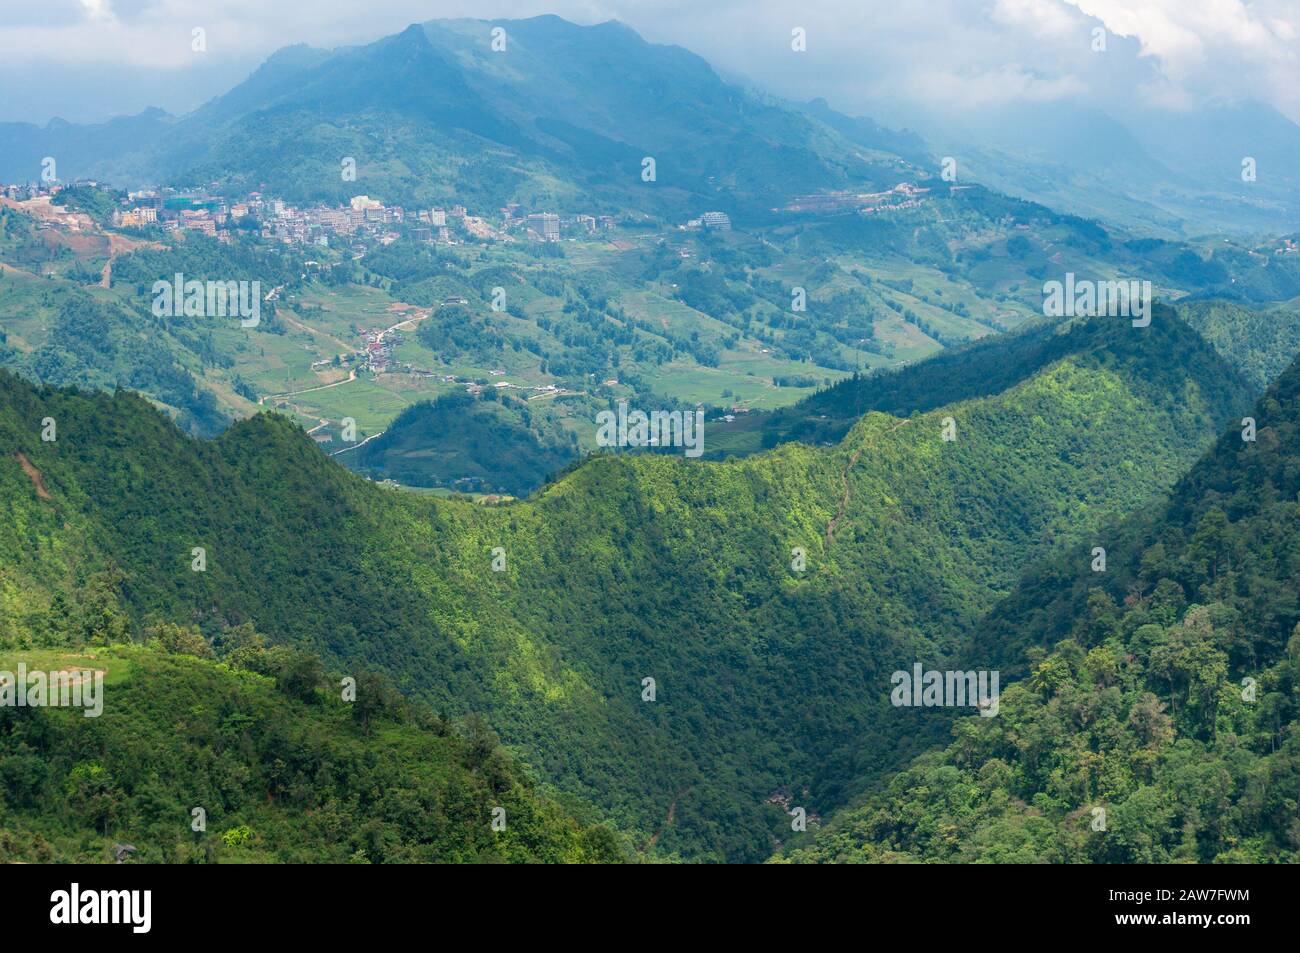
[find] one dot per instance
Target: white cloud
(863, 55)
(1041, 18)
(1212, 49)
(999, 86)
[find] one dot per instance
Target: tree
(300, 676)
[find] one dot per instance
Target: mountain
(442, 113)
(683, 650)
(767, 598)
(1209, 144)
(116, 150)
(1153, 713)
(1260, 342)
(1163, 172)
(671, 315)
(870, 134)
(435, 115)
(980, 368)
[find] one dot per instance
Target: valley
(368, 582)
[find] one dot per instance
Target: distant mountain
(434, 114)
(1174, 174)
(1208, 144)
(120, 150)
(870, 134)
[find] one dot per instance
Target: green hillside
(1163, 692)
(1260, 342)
(282, 770)
(486, 445)
(628, 568)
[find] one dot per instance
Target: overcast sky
(89, 59)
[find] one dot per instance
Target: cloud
(999, 86)
(1039, 18)
(869, 56)
(1215, 50)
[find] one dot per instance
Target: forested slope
(1152, 719)
(768, 677)
(1260, 342)
(257, 759)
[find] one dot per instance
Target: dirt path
(117, 244)
(303, 326)
(5, 266)
(33, 474)
(672, 815)
(844, 479)
(402, 324)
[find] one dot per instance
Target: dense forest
(1260, 342)
(1152, 717)
(467, 636)
(765, 598)
(259, 757)
(493, 444)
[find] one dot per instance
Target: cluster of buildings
(201, 213)
(710, 222)
(902, 196)
(551, 226)
(273, 218)
(362, 221)
(26, 192)
(431, 224)
(363, 218)
(37, 201)
(379, 346)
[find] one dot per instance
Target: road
(352, 372)
(352, 375)
(355, 445)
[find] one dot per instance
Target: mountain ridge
(1151, 710)
(688, 563)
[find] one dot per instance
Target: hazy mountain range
(584, 106)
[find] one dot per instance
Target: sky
(895, 60)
